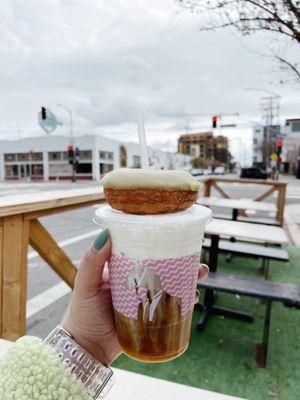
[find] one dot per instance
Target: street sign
(47, 120)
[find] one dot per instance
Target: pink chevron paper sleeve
(176, 276)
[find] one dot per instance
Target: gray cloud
(106, 60)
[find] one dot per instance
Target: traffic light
(77, 152)
(70, 154)
(44, 113)
(279, 149)
(279, 146)
(214, 121)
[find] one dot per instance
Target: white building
(46, 158)
(291, 144)
(258, 142)
(264, 144)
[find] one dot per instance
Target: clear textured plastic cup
(153, 273)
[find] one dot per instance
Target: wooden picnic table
(19, 228)
(272, 187)
(239, 230)
(236, 204)
(247, 231)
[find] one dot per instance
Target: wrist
(96, 377)
(96, 349)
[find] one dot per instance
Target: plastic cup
(153, 273)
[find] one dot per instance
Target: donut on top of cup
(139, 191)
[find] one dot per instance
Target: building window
(55, 155)
(60, 169)
(23, 157)
(11, 171)
(105, 168)
(84, 168)
(10, 157)
(137, 162)
(255, 141)
(37, 156)
(85, 154)
(37, 169)
(106, 155)
(296, 126)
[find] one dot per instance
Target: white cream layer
(138, 178)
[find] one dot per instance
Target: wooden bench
(287, 294)
(271, 235)
(267, 254)
(253, 220)
(249, 250)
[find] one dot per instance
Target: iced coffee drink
(153, 273)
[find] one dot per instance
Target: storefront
(46, 158)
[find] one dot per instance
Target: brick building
(205, 145)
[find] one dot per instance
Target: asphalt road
(47, 295)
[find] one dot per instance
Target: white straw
(142, 139)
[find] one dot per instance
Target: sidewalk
(292, 222)
(292, 211)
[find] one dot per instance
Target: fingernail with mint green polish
(101, 239)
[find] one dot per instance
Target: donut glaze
(136, 191)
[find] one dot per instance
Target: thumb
(90, 274)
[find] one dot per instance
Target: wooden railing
(272, 187)
(19, 227)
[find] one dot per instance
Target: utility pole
(269, 105)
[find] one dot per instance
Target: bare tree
(279, 17)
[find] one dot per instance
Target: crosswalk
(293, 192)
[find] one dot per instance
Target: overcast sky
(106, 60)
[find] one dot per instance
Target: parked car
(253, 173)
(207, 171)
(197, 171)
(219, 171)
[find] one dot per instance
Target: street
(47, 295)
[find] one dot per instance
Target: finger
(90, 274)
(203, 271)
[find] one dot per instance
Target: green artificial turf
(222, 359)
